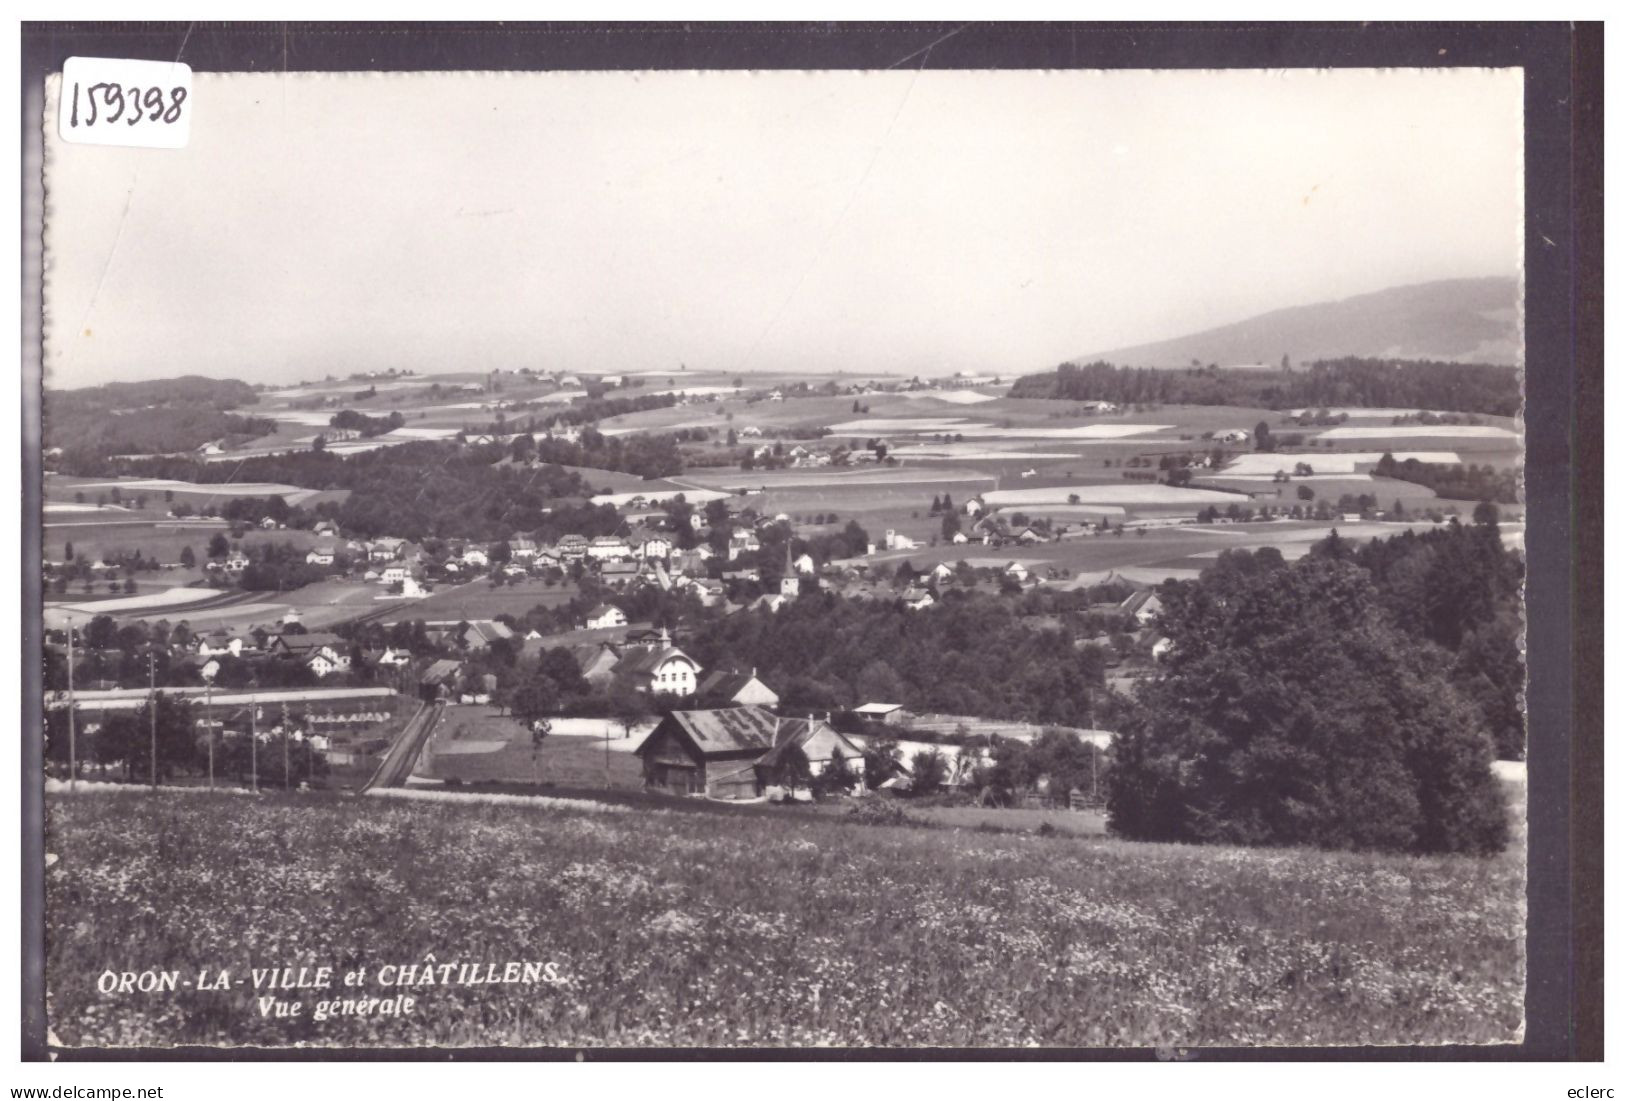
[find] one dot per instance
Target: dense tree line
(969, 654)
(1371, 383)
(421, 489)
(643, 454)
(1294, 709)
(1455, 481)
(348, 420)
(1458, 588)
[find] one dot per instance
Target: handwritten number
(174, 112)
(94, 88)
(153, 101)
(74, 119)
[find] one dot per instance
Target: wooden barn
(730, 753)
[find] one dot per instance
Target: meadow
(702, 929)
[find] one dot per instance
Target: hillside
(1453, 319)
(646, 928)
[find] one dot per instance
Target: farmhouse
(1016, 572)
(573, 547)
(915, 599)
(320, 556)
(323, 653)
(661, 669)
(605, 615)
(479, 634)
(385, 549)
(522, 548)
(731, 753)
(725, 688)
(1144, 606)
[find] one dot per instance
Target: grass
(699, 929)
(572, 760)
(452, 602)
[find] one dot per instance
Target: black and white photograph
(956, 559)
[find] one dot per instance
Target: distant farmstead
(732, 753)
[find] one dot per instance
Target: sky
(868, 222)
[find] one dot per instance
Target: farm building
(605, 615)
(439, 679)
(882, 713)
(731, 687)
(597, 662)
(1144, 606)
(731, 753)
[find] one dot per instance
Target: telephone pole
(254, 741)
(286, 733)
(208, 721)
(73, 752)
(152, 706)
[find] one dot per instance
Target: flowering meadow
(658, 929)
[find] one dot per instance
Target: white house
(320, 556)
(608, 548)
(475, 556)
(605, 615)
(1016, 572)
(662, 669)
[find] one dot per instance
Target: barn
(730, 753)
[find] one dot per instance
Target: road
(403, 755)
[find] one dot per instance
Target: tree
(1305, 493)
(930, 770)
(1261, 437)
(838, 777)
(188, 558)
(1291, 711)
(536, 698)
(219, 547)
(792, 769)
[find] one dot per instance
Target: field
(476, 745)
(722, 930)
(478, 600)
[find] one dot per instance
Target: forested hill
(1464, 320)
(156, 415)
(1371, 383)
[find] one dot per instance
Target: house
(688, 562)
(960, 537)
(394, 575)
(522, 549)
(268, 524)
(236, 562)
(771, 602)
(915, 598)
(725, 688)
(661, 669)
(320, 556)
(804, 564)
(775, 395)
(325, 527)
(218, 642)
(605, 615)
(889, 713)
(1016, 572)
(479, 634)
(515, 570)
(733, 752)
(386, 549)
(942, 573)
(1144, 606)
(573, 548)
(395, 657)
(742, 541)
(608, 548)
(324, 653)
(1029, 536)
(546, 560)
(650, 544)
(1234, 435)
(750, 430)
(894, 541)
(597, 662)
(474, 555)
(710, 591)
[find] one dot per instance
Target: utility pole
(286, 733)
(254, 741)
(208, 721)
(73, 752)
(152, 705)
